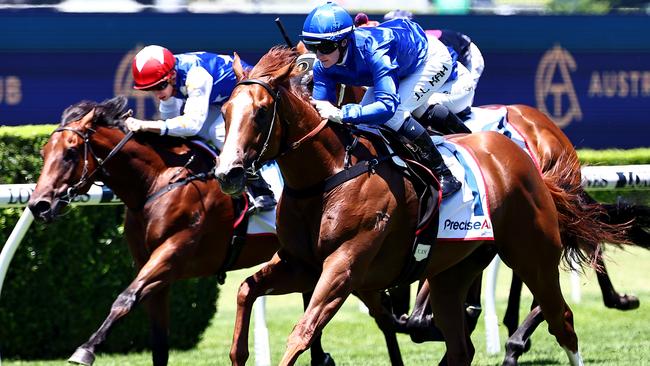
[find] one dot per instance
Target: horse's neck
(317, 158)
(132, 171)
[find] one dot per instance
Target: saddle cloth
(260, 223)
(495, 118)
(465, 214)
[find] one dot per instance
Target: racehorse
(178, 223)
(351, 238)
(547, 145)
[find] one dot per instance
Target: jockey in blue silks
(397, 61)
(191, 88)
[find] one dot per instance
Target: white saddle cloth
(465, 214)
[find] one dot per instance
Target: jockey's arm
(199, 87)
(385, 92)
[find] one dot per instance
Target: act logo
(554, 91)
(146, 104)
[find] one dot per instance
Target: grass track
(607, 337)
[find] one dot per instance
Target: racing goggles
(324, 47)
(158, 87)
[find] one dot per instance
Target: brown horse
(352, 237)
(178, 222)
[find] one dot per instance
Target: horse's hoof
(626, 302)
(527, 345)
(327, 361)
(510, 361)
(428, 334)
(82, 356)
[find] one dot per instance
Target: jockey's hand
(137, 125)
(327, 110)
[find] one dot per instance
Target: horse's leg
(156, 274)
(473, 303)
(400, 297)
(377, 303)
(333, 288)
(511, 317)
(449, 291)
(318, 356)
(519, 341)
(419, 324)
(620, 213)
(611, 298)
(542, 277)
(157, 305)
(277, 277)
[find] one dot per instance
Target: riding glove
(136, 125)
(327, 110)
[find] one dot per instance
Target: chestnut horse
(178, 223)
(352, 237)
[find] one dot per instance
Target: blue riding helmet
(328, 22)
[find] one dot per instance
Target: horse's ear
(237, 67)
(301, 49)
(87, 120)
(282, 73)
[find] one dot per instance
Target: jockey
(468, 53)
(197, 83)
(400, 65)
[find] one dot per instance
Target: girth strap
(171, 186)
(365, 166)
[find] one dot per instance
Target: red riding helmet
(151, 66)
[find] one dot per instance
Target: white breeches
(214, 128)
(415, 89)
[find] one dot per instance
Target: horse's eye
(70, 154)
(260, 116)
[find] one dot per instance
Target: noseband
(255, 165)
(85, 175)
(275, 94)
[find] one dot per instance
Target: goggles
(160, 86)
(324, 47)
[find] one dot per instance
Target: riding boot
(441, 119)
(263, 199)
(448, 183)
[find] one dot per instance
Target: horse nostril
(39, 207)
(232, 181)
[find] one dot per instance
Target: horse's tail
(623, 212)
(583, 223)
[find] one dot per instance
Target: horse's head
(254, 129)
(69, 162)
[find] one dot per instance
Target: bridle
(275, 94)
(86, 176)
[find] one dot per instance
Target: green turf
(607, 337)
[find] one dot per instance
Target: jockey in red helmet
(191, 88)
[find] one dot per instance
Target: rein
(275, 94)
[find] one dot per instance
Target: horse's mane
(107, 113)
(276, 58)
(272, 61)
